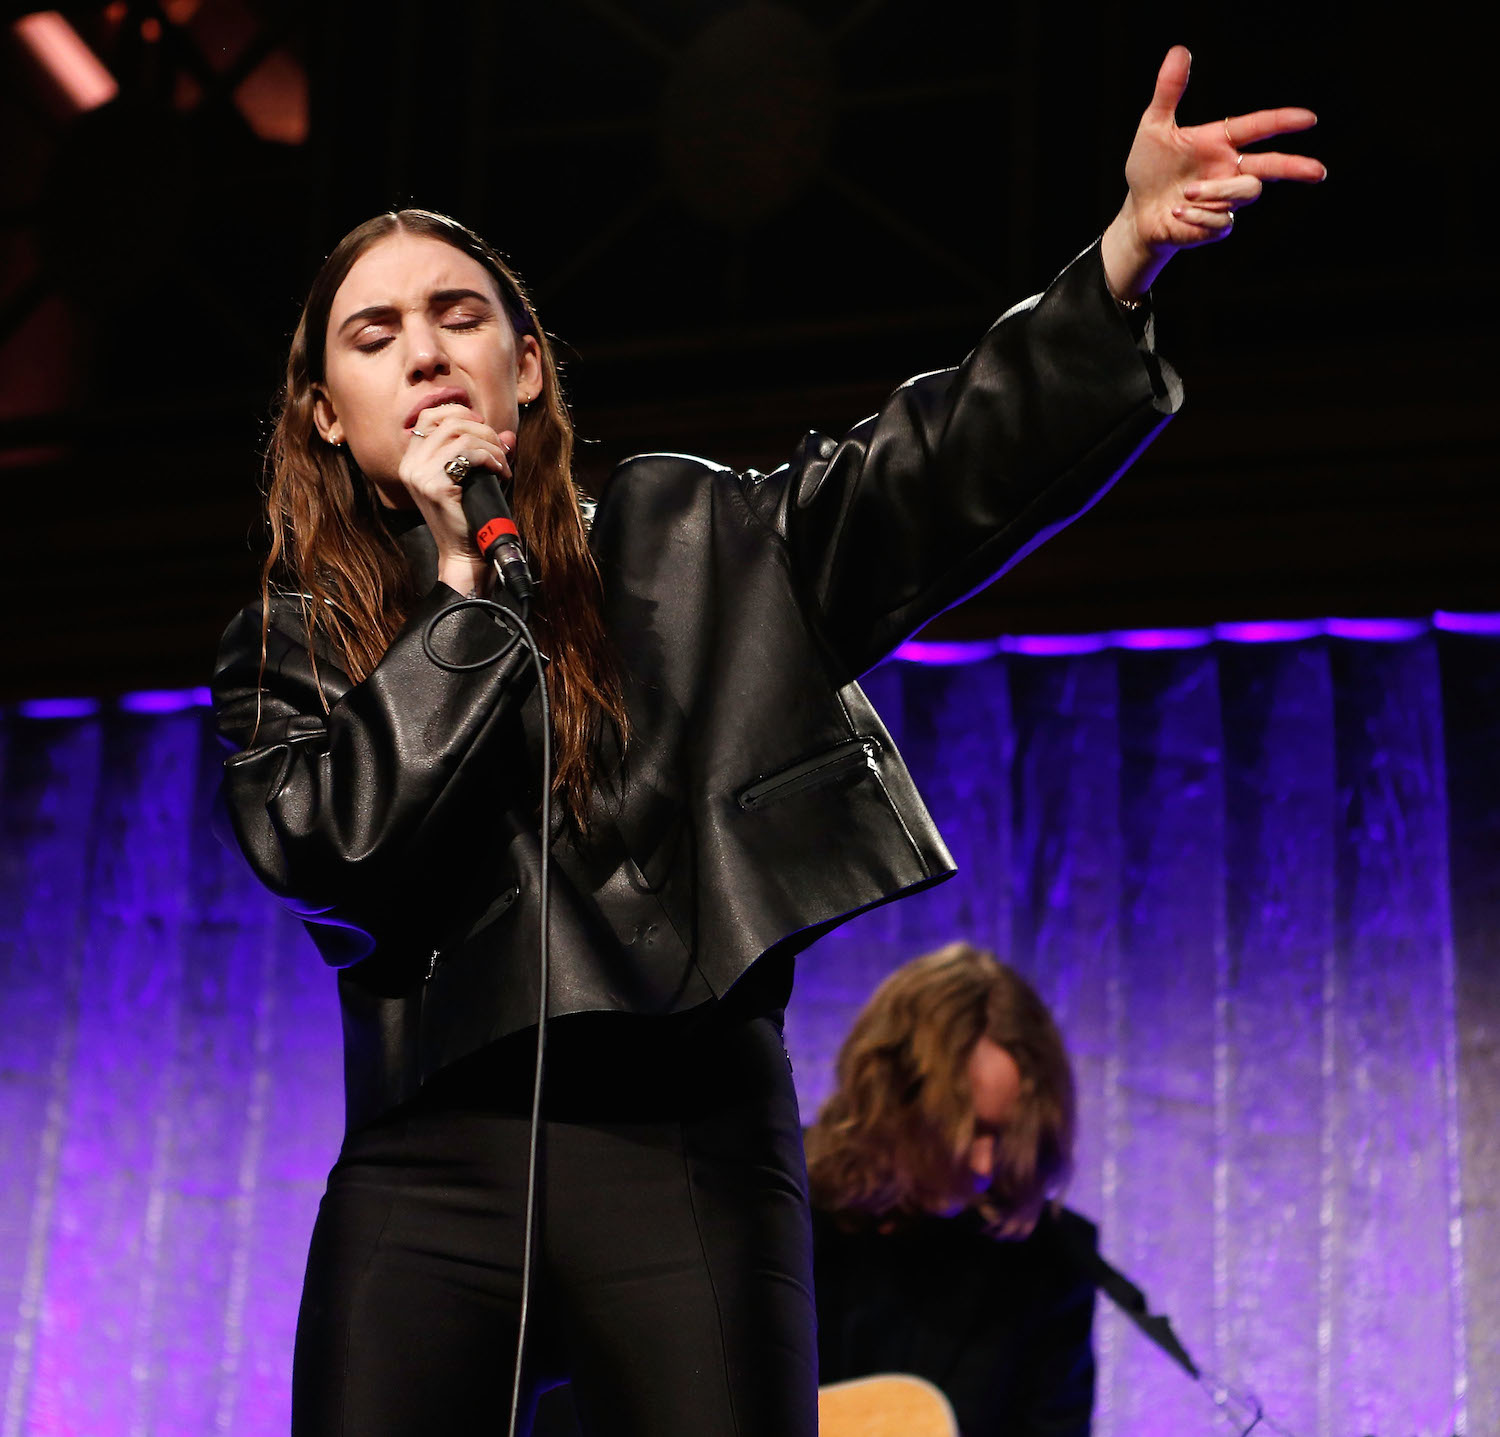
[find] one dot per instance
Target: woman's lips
(435, 400)
(446, 404)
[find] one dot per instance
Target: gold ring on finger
(457, 469)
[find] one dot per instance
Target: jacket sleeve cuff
(1140, 324)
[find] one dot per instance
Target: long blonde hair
(892, 1141)
(329, 545)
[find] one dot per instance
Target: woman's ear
(528, 368)
(326, 417)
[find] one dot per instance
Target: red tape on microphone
(493, 530)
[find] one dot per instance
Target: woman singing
(723, 795)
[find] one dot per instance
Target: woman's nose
(982, 1158)
(426, 355)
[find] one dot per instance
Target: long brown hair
(330, 547)
(893, 1140)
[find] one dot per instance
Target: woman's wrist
(1130, 265)
(465, 575)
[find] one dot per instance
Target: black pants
(673, 1280)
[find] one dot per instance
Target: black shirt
(1004, 1329)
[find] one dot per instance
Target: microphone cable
(520, 633)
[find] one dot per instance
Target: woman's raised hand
(1186, 184)
(440, 436)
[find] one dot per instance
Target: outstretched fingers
(1263, 124)
(1273, 166)
(1244, 130)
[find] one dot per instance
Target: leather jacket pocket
(492, 914)
(862, 752)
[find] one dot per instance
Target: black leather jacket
(762, 801)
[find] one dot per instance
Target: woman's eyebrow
(438, 299)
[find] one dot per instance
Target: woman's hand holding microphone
(441, 435)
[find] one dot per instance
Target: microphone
(495, 531)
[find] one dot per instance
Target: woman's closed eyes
(378, 344)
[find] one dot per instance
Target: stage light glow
(165, 701)
(1466, 623)
(1163, 638)
(1274, 631)
(57, 708)
(1378, 631)
(60, 50)
(957, 651)
(273, 98)
(1056, 645)
(1266, 631)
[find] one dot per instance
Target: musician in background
(940, 1247)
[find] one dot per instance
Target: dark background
(745, 221)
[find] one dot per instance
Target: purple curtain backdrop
(1259, 883)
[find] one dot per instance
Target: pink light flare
(60, 50)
